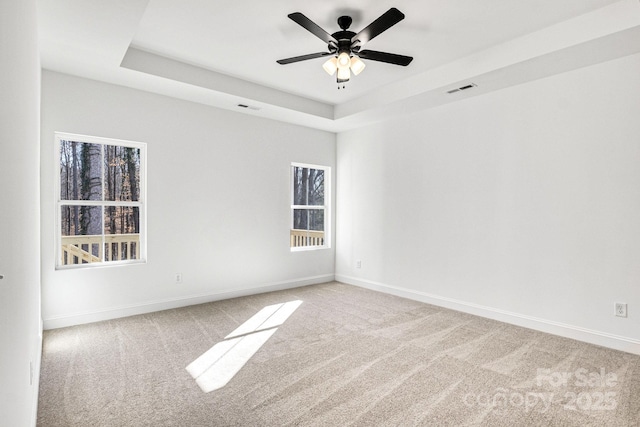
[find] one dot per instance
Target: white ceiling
(224, 53)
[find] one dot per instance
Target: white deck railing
(89, 249)
(300, 238)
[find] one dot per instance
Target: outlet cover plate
(620, 309)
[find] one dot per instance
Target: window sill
(309, 248)
(99, 265)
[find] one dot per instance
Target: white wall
(522, 204)
(20, 337)
(218, 202)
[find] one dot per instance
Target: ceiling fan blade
(303, 57)
(313, 28)
(390, 58)
(387, 20)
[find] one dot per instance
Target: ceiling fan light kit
(345, 46)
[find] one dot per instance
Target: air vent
(461, 88)
(250, 107)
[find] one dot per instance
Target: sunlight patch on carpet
(218, 365)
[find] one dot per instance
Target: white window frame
(326, 207)
(140, 204)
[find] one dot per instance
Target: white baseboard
(604, 339)
(72, 319)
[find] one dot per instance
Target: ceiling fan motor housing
(344, 22)
(344, 41)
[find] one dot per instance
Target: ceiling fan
(345, 46)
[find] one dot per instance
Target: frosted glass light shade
(331, 66)
(357, 65)
(344, 61)
(343, 74)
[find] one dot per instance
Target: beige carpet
(346, 356)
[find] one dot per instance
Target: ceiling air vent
(250, 107)
(461, 88)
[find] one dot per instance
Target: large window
(100, 207)
(310, 186)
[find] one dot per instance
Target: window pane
(308, 219)
(81, 230)
(80, 171)
(121, 220)
(308, 186)
(300, 178)
(308, 229)
(121, 228)
(81, 220)
(121, 173)
(316, 187)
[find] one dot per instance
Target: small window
(100, 208)
(309, 206)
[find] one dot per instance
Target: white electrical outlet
(620, 309)
(178, 277)
(358, 264)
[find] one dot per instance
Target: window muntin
(100, 214)
(309, 212)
